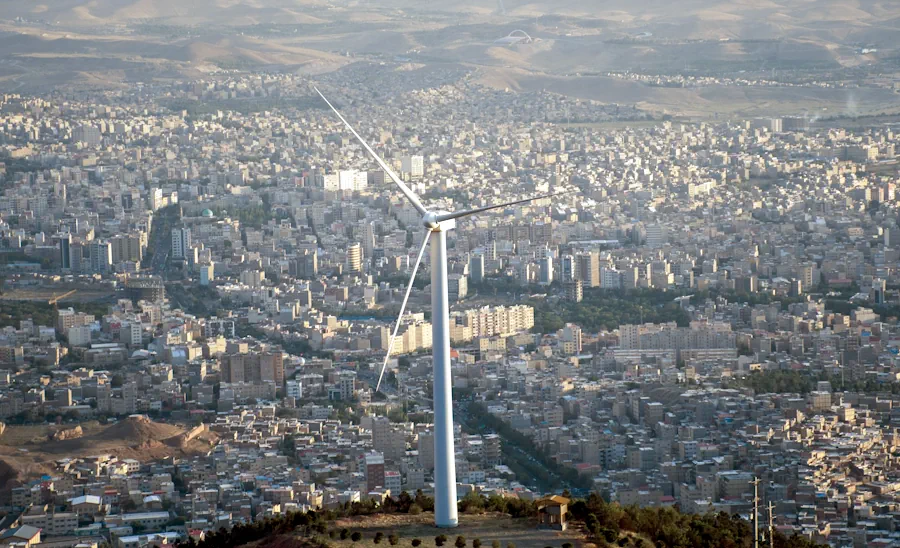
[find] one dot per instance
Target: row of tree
(804, 382)
(542, 470)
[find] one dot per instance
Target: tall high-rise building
(181, 242)
(879, 287)
(101, 257)
(65, 251)
(589, 269)
(892, 237)
(476, 267)
(806, 274)
(568, 271)
(126, 247)
(546, 273)
(155, 198)
(306, 265)
(368, 237)
(77, 255)
(354, 258)
(491, 250)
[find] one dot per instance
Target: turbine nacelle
(433, 221)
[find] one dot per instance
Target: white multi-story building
(610, 278)
(414, 166)
(135, 334)
(294, 389)
(346, 179)
(392, 482)
(156, 199)
(181, 242)
(252, 278)
(500, 320)
(567, 268)
(79, 335)
(657, 235)
(354, 258)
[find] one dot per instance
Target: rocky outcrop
(191, 434)
(66, 434)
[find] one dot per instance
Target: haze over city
(546, 274)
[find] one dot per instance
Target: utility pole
(771, 525)
(755, 484)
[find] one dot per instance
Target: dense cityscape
(199, 280)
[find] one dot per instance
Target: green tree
(460, 542)
(416, 542)
(394, 539)
(379, 536)
(356, 536)
(440, 540)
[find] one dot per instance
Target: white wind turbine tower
(437, 223)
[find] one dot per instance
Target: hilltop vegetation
(602, 523)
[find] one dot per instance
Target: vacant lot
(522, 532)
(31, 435)
(82, 294)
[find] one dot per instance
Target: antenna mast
(755, 484)
(771, 525)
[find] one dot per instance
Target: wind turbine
(437, 224)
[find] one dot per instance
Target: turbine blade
(458, 214)
(410, 195)
(409, 287)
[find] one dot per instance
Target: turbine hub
(430, 220)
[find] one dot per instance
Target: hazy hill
(53, 43)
